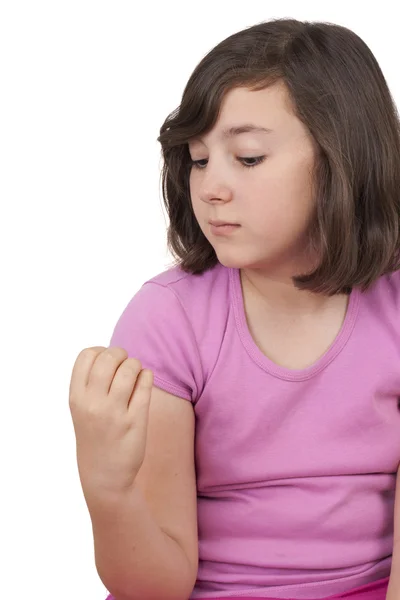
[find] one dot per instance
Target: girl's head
(316, 187)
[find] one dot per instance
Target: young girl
(264, 465)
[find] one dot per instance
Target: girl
(239, 438)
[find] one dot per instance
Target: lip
(221, 223)
(223, 228)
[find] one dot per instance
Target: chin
(233, 262)
(241, 261)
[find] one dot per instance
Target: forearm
(134, 558)
(393, 592)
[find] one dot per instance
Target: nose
(216, 195)
(213, 190)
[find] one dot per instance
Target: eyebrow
(247, 128)
(237, 130)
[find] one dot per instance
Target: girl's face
(258, 179)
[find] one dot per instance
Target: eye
(253, 160)
(199, 164)
(246, 161)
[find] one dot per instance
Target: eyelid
(241, 159)
(237, 156)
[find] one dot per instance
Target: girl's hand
(109, 399)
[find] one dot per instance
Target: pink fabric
(372, 591)
(295, 468)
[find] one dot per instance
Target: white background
(84, 88)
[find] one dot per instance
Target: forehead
(270, 104)
(268, 109)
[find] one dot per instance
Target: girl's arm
(393, 592)
(146, 543)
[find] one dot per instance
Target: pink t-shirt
(295, 468)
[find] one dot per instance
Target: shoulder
(195, 294)
(389, 286)
(185, 285)
(384, 296)
(174, 297)
(393, 287)
(173, 324)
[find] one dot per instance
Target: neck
(279, 293)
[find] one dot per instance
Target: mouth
(223, 224)
(223, 227)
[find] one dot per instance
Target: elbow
(177, 589)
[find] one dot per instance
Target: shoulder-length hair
(339, 92)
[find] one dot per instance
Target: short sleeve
(155, 329)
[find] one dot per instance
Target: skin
(272, 201)
(263, 180)
(145, 527)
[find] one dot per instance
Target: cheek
(281, 205)
(197, 205)
(194, 179)
(199, 208)
(194, 191)
(191, 187)
(290, 189)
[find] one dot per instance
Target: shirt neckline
(266, 363)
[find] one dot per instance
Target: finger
(139, 402)
(103, 370)
(124, 381)
(81, 370)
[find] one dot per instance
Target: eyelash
(258, 160)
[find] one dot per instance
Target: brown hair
(339, 92)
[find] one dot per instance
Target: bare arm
(146, 545)
(394, 581)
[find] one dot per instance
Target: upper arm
(167, 477)
(154, 329)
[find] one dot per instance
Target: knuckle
(133, 364)
(75, 400)
(111, 351)
(93, 351)
(148, 379)
(94, 410)
(115, 352)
